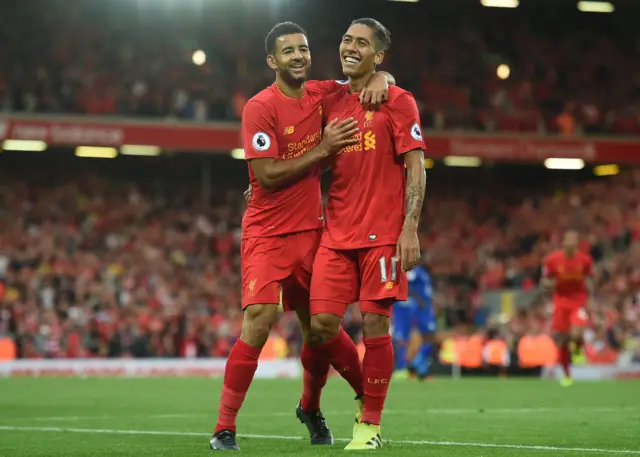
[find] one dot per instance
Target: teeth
(351, 60)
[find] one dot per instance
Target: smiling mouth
(351, 60)
(298, 66)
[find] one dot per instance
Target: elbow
(266, 183)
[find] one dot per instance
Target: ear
(271, 61)
(379, 58)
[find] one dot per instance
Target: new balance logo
(289, 130)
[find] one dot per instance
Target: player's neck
(289, 91)
(356, 84)
(569, 254)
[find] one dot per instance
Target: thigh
(335, 278)
(297, 288)
(425, 319)
(579, 317)
(264, 268)
(380, 275)
(561, 319)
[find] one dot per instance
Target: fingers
(348, 123)
(350, 133)
(331, 123)
(363, 96)
(410, 256)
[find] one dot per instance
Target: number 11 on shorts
(383, 269)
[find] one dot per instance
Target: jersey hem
(292, 232)
(339, 247)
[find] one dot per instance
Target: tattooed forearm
(415, 188)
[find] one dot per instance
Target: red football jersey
(569, 274)
(276, 126)
(366, 204)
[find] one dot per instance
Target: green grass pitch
(174, 417)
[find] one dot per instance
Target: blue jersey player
(416, 311)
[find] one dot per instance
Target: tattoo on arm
(415, 189)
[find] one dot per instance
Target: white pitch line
(453, 411)
(285, 437)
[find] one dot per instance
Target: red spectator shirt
(366, 204)
(570, 274)
(276, 126)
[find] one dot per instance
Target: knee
(374, 325)
(257, 323)
(325, 326)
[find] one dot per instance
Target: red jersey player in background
(568, 273)
(284, 144)
(370, 239)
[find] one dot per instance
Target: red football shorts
(566, 316)
(277, 270)
(371, 276)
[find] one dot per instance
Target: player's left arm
(372, 96)
(408, 243)
(407, 134)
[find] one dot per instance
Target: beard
(290, 79)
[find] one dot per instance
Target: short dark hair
(278, 30)
(381, 33)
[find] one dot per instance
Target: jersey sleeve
(405, 120)
(325, 87)
(259, 131)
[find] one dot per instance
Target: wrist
(410, 227)
(323, 150)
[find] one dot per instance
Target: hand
(408, 249)
(248, 194)
(375, 92)
(338, 135)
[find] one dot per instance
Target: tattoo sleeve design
(415, 189)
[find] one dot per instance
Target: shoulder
(324, 87)
(265, 99)
(399, 95)
(554, 256)
(261, 105)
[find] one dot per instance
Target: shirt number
(383, 269)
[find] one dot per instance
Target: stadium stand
(128, 260)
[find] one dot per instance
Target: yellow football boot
(365, 437)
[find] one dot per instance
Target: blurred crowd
(566, 71)
(100, 265)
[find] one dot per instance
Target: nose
(351, 46)
(298, 54)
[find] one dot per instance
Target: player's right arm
(548, 280)
(261, 146)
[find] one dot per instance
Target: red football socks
(378, 368)
(314, 378)
(564, 357)
(238, 374)
(342, 354)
